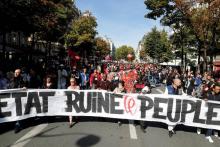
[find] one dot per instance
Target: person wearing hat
(214, 95)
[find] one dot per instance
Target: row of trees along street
(51, 21)
(157, 45)
(83, 39)
(195, 24)
(41, 19)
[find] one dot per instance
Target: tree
(203, 18)
(157, 45)
(81, 38)
(42, 19)
(102, 47)
(200, 16)
(123, 51)
(63, 13)
(143, 54)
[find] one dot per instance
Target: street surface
(98, 132)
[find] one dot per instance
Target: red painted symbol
(130, 105)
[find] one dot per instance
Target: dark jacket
(173, 91)
(213, 97)
(17, 83)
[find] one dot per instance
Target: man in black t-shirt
(214, 95)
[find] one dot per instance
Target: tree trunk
(211, 63)
(199, 60)
(19, 40)
(32, 46)
(205, 58)
(49, 49)
(185, 63)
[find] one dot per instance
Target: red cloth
(140, 86)
(129, 79)
(73, 55)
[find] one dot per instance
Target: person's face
(32, 72)
(177, 82)
(216, 89)
(104, 77)
(48, 80)
(209, 77)
(72, 82)
(17, 73)
(84, 70)
(120, 85)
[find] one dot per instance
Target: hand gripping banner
(170, 109)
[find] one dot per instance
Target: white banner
(169, 109)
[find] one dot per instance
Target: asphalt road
(97, 132)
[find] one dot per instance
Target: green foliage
(157, 45)
(200, 20)
(48, 18)
(82, 34)
(143, 54)
(102, 47)
(183, 38)
(123, 51)
(63, 14)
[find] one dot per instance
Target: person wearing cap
(214, 95)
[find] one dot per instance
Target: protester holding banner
(17, 83)
(214, 96)
(174, 89)
(120, 89)
(200, 93)
(73, 86)
(145, 90)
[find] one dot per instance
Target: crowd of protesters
(104, 76)
(206, 87)
(118, 78)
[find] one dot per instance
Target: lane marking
(160, 91)
(27, 137)
(132, 130)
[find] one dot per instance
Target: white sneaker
(210, 139)
(198, 131)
